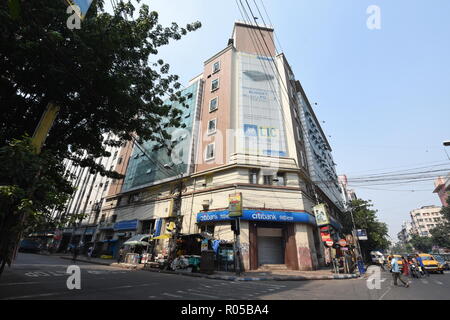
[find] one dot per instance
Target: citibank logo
(208, 217)
(262, 216)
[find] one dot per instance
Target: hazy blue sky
(384, 94)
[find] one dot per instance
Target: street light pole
(447, 144)
(354, 234)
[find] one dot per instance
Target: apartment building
(425, 219)
(83, 207)
(442, 188)
(243, 135)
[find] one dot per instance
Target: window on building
(214, 104)
(210, 152)
(115, 155)
(215, 85)
(216, 67)
(281, 179)
(208, 180)
(113, 218)
(119, 161)
(212, 126)
(268, 180)
(253, 176)
(106, 185)
(303, 158)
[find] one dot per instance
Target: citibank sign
(260, 215)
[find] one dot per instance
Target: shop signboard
(204, 245)
(235, 205)
(329, 243)
(343, 243)
(126, 225)
(259, 215)
(349, 239)
(321, 214)
(361, 234)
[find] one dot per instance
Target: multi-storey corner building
(244, 135)
(442, 188)
(425, 219)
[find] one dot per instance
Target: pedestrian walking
(75, 253)
(90, 251)
(421, 265)
(405, 267)
(396, 274)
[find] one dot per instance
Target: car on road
(430, 263)
(445, 264)
(399, 261)
(27, 245)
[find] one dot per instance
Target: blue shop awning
(260, 215)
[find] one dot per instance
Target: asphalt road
(44, 277)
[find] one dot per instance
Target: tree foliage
(421, 244)
(105, 78)
(366, 218)
(441, 233)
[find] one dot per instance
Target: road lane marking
(17, 283)
(202, 295)
(384, 294)
(171, 295)
(439, 283)
(424, 281)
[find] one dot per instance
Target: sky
(384, 95)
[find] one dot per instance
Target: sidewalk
(276, 275)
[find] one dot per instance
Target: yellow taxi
(399, 260)
(430, 263)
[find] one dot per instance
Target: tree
(104, 77)
(422, 244)
(366, 218)
(441, 233)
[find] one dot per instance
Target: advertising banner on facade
(260, 112)
(235, 205)
(322, 218)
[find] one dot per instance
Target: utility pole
(235, 213)
(178, 223)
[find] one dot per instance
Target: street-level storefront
(271, 237)
(124, 230)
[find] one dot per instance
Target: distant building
(347, 194)
(442, 188)
(406, 233)
(425, 219)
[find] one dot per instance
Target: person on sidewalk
(396, 274)
(75, 253)
(120, 256)
(90, 251)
